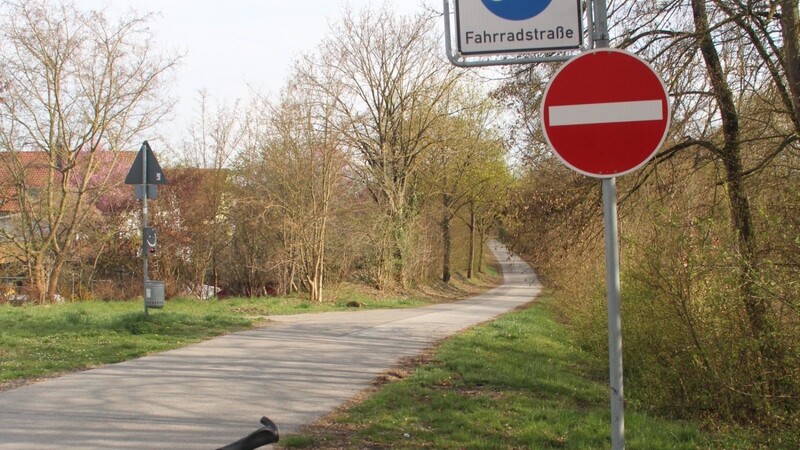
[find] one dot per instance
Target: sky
(233, 46)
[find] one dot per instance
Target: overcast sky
(232, 45)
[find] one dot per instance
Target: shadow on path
(207, 395)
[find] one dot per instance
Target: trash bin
(154, 294)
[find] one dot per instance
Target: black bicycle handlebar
(268, 434)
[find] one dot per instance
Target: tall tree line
(76, 88)
(707, 228)
(340, 177)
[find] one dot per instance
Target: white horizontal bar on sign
(617, 112)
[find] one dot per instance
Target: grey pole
(600, 28)
(601, 40)
(144, 224)
(614, 314)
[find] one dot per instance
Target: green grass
(37, 341)
(517, 382)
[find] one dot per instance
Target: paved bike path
(294, 370)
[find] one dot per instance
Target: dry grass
(330, 434)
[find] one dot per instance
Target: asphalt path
(294, 370)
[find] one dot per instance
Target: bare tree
(79, 88)
(391, 86)
(297, 167)
(735, 88)
(215, 136)
(214, 139)
(731, 67)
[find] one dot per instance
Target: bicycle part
(268, 434)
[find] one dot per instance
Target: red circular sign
(605, 113)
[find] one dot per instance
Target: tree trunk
(790, 26)
(55, 275)
(313, 288)
(398, 254)
(39, 281)
(471, 263)
(214, 273)
(446, 246)
(734, 168)
(755, 307)
(481, 243)
(314, 264)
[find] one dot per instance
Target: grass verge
(43, 341)
(516, 382)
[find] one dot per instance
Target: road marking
(617, 112)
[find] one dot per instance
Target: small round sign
(605, 113)
(516, 9)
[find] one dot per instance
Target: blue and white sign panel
(488, 27)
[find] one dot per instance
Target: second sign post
(146, 174)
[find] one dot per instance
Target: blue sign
(516, 9)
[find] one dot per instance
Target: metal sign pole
(138, 176)
(600, 38)
(144, 226)
(614, 313)
(598, 30)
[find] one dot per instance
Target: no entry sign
(605, 113)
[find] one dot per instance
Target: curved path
(204, 396)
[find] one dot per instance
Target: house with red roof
(30, 181)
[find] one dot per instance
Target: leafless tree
(80, 87)
(214, 139)
(297, 166)
(391, 86)
(733, 69)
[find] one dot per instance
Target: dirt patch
(459, 287)
(329, 433)
(15, 384)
